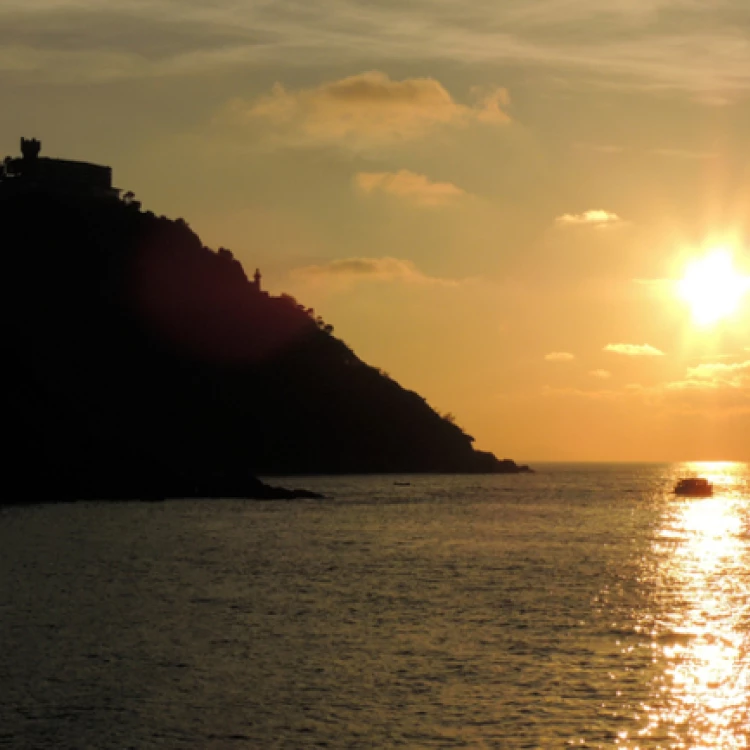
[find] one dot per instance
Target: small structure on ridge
(32, 173)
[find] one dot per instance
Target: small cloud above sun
(712, 287)
(595, 218)
(634, 350)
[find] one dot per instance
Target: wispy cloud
(559, 357)
(372, 269)
(601, 374)
(634, 350)
(364, 111)
(712, 389)
(410, 186)
(595, 217)
(717, 356)
(118, 29)
(87, 41)
(735, 374)
(700, 48)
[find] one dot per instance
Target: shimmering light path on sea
(699, 619)
(582, 606)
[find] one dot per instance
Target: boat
(694, 487)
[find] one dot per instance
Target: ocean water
(582, 606)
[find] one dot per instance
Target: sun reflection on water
(700, 631)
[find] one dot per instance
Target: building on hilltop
(31, 172)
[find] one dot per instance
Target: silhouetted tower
(30, 148)
(256, 277)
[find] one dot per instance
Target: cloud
(372, 269)
(602, 374)
(76, 41)
(559, 357)
(115, 30)
(720, 373)
(714, 391)
(363, 111)
(683, 45)
(691, 385)
(711, 390)
(408, 185)
(634, 350)
(595, 217)
(490, 104)
(713, 387)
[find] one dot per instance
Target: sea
(584, 605)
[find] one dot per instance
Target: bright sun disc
(713, 288)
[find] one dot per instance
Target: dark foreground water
(582, 606)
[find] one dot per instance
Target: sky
(504, 205)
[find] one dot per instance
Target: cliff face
(137, 357)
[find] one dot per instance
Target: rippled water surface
(583, 606)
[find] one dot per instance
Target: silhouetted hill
(139, 360)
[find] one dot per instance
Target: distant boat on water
(694, 487)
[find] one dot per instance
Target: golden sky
(496, 202)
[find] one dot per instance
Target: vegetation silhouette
(141, 363)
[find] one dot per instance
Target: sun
(713, 287)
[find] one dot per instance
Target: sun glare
(713, 287)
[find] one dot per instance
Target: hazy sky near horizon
(494, 202)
